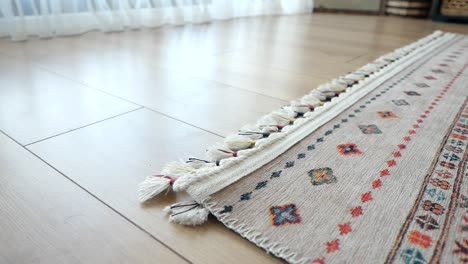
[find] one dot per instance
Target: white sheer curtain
(20, 19)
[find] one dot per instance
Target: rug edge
(202, 185)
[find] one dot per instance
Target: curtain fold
(20, 19)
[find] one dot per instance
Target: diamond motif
(345, 228)
(321, 176)
(333, 246)
(387, 114)
(349, 149)
(427, 222)
(356, 211)
(376, 184)
(284, 214)
(400, 102)
(438, 71)
(370, 129)
(412, 256)
(412, 93)
(365, 197)
(421, 85)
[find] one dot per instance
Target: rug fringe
(256, 137)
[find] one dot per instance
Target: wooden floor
(84, 119)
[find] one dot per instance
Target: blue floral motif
(284, 214)
(413, 256)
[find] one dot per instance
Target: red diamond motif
(427, 111)
(419, 121)
(423, 116)
(411, 132)
(407, 139)
(391, 163)
(397, 154)
(401, 146)
(415, 126)
(376, 184)
(356, 211)
(431, 107)
(345, 228)
(333, 246)
(365, 197)
(384, 173)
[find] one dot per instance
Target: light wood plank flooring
(84, 119)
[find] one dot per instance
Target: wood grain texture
(36, 104)
(45, 218)
(194, 84)
(110, 159)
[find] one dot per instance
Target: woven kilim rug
(369, 168)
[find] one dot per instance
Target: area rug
(369, 168)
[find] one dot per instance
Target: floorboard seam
(100, 200)
(115, 96)
(87, 125)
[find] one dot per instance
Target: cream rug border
(258, 237)
(207, 182)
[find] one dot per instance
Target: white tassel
(152, 186)
(269, 129)
(270, 121)
(311, 101)
(198, 163)
(317, 94)
(299, 107)
(238, 142)
(219, 152)
(338, 87)
(348, 82)
(187, 213)
(167, 210)
(355, 76)
(178, 168)
(253, 132)
(284, 116)
(326, 90)
(371, 67)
